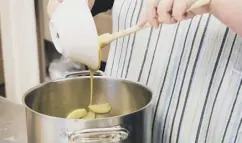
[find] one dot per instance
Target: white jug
(74, 33)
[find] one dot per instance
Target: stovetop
(12, 122)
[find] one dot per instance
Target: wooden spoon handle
(127, 31)
(136, 28)
(198, 3)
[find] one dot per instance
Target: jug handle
(105, 135)
(82, 73)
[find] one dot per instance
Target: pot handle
(82, 73)
(99, 135)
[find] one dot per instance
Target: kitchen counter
(12, 122)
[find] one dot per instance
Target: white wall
(19, 45)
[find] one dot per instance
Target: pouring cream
(74, 35)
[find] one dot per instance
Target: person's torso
(194, 69)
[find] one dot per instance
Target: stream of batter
(92, 109)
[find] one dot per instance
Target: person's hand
(150, 15)
(184, 9)
(171, 11)
(52, 5)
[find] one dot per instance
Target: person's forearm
(229, 12)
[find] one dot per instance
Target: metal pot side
(49, 103)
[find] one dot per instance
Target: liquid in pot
(58, 98)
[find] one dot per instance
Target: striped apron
(194, 69)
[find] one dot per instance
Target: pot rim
(85, 77)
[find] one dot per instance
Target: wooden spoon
(107, 38)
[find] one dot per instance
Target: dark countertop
(12, 122)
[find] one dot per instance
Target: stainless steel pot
(128, 122)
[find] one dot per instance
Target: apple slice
(90, 115)
(77, 114)
(100, 108)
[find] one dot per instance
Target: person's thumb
(143, 20)
(142, 23)
(52, 5)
